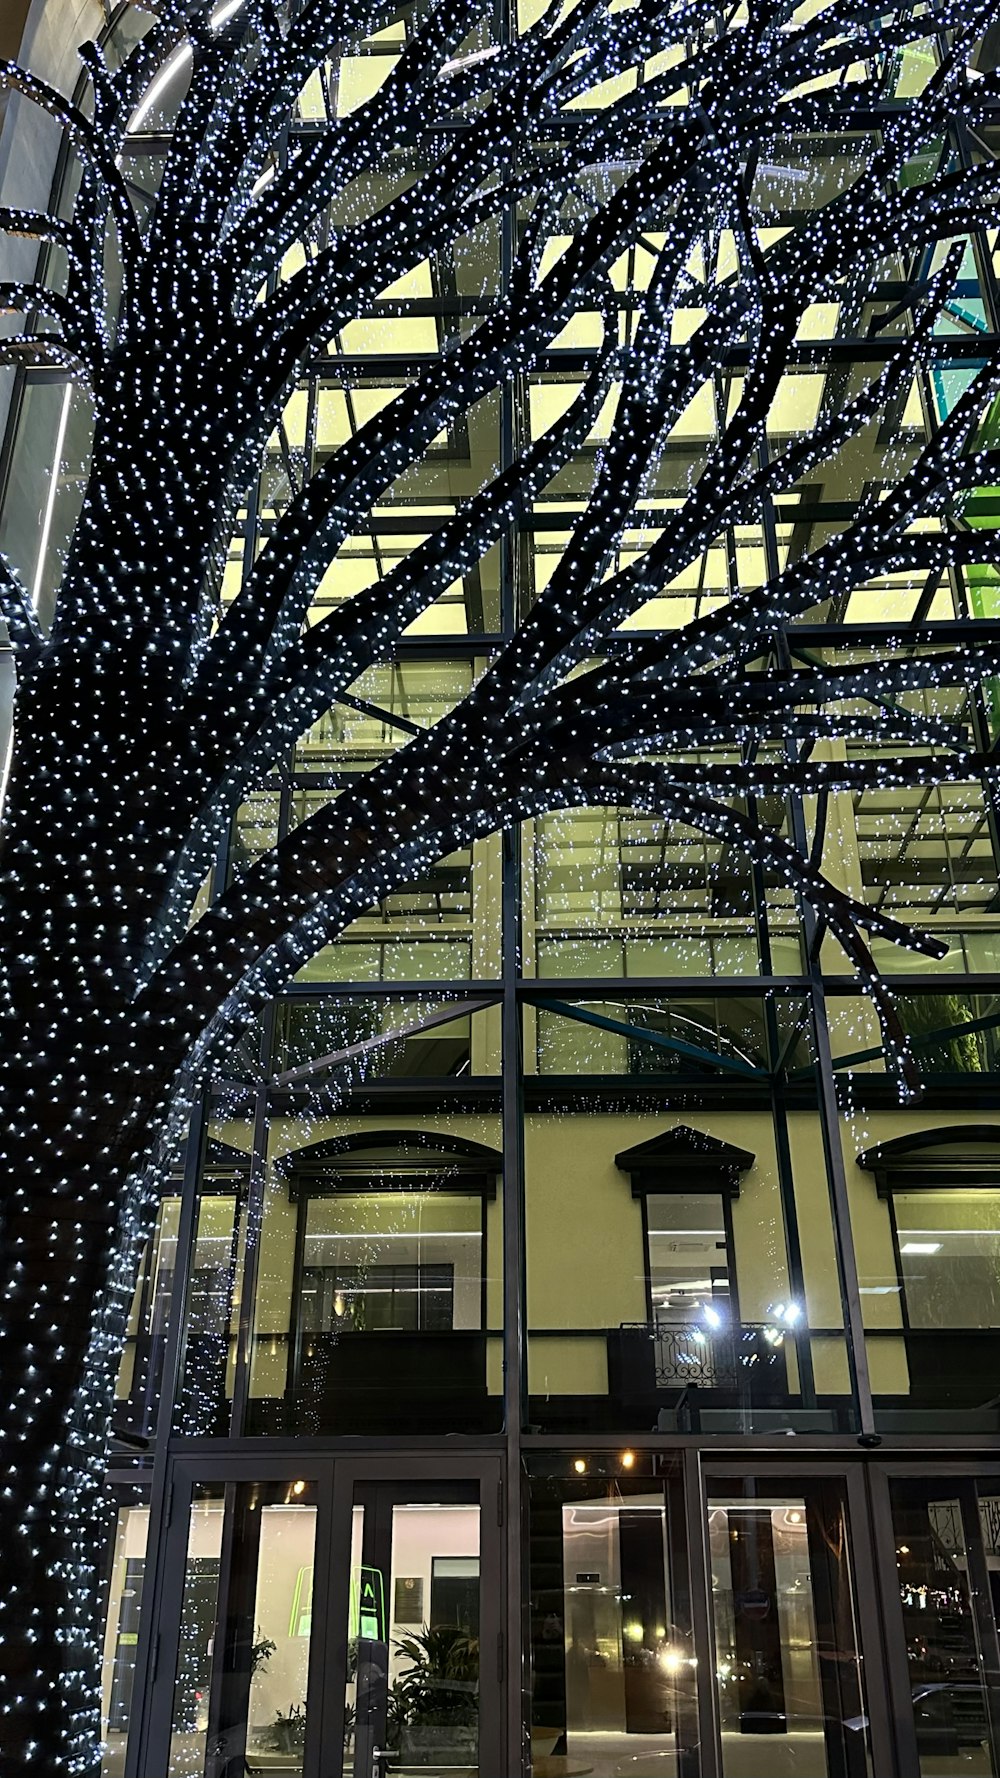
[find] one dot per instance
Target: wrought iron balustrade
(647, 1360)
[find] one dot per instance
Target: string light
(147, 712)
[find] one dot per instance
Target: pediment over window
(958, 1154)
(394, 1160)
(684, 1160)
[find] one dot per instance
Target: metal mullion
(515, 1312)
(157, 1576)
(702, 1623)
(987, 1640)
(322, 1732)
(336, 1619)
(609, 988)
(514, 1742)
(153, 1686)
(252, 1244)
(219, 1677)
(829, 1112)
(868, 1615)
(885, 1575)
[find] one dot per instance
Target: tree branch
(90, 149)
(18, 614)
(79, 332)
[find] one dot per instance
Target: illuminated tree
(148, 711)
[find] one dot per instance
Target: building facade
(559, 1351)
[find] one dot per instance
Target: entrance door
(794, 1619)
(941, 1560)
(420, 1626)
(335, 1619)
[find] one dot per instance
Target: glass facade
(558, 1351)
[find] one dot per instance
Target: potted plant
(287, 1733)
(434, 1701)
(260, 1653)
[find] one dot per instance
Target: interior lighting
(50, 498)
(173, 65)
(208, 342)
(790, 1313)
(920, 1247)
(628, 1459)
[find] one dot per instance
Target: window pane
(189, 1736)
(688, 1261)
(243, 1660)
(433, 1717)
(788, 1673)
(949, 1257)
(378, 1296)
(613, 1667)
(947, 1673)
(121, 1633)
(211, 1315)
(405, 1260)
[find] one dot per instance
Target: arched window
(387, 1323)
(943, 1191)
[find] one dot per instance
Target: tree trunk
(85, 849)
(73, 1215)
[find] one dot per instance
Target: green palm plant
(440, 1684)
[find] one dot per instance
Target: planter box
(427, 1743)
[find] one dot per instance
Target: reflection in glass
(946, 1668)
(374, 1294)
(281, 1626)
(411, 1261)
(137, 1390)
(376, 1266)
(949, 1257)
(353, 1629)
(433, 1611)
(242, 1668)
(121, 1634)
(787, 1669)
(613, 1665)
(192, 1674)
(688, 1257)
(211, 1316)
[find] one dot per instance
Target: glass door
(415, 1655)
(325, 1618)
(241, 1681)
(945, 1566)
(795, 1626)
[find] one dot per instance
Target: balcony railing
(654, 1365)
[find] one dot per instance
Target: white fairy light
(145, 717)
